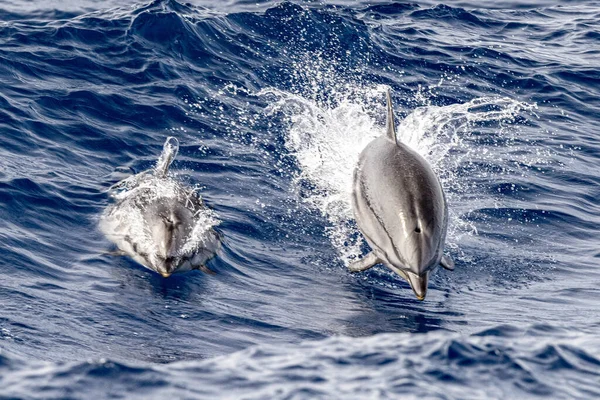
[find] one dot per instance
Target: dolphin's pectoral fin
(115, 253)
(368, 261)
(447, 262)
(206, 270)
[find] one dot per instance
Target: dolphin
(400, 208)
(160, 223)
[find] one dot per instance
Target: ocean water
(272, 102)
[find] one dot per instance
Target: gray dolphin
(400, 208)
(160, 223)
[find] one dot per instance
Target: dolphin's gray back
(395, 194)
(171, 213)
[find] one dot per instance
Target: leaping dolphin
(401, 210)
(160, 223)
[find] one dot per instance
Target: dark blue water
(272, 102)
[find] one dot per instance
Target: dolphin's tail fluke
(170, 149)
(390, 124)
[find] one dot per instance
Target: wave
(499, 362)
(273, 103)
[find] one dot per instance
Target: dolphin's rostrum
(400, 208)
(160, 223)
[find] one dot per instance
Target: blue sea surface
(272, 102)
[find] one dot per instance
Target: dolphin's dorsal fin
(390, 127)
(170, 149)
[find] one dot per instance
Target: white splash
(326, 142)
(125, 217)
(433, 131)
(327, 139)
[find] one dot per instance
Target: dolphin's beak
(165, 268)
(418, 283)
